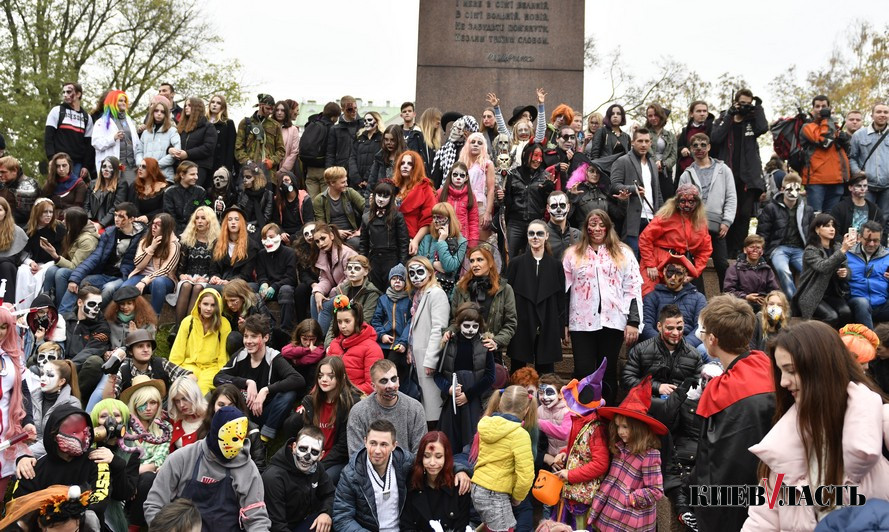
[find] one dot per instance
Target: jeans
(108, 284)
(881, 198)
(834, 311)
(56, 279)
(822, 198)
(864, 313)
(325, 316)
(158, 288)
(276, 407)
(783, 259)
(97, 393)
(633, 241)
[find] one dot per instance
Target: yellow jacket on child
(505, 463)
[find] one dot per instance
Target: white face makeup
(397, 283)
(792, 190)
(458, 178)
(469, 328)
(220, 181)
(307, 453)
(370, 122)
(91, 306)
(548, 395)
(272, 243)
(417, 274)
(355, 271)
(49, 379)
(107, 169)
(45, 356)
(459, 126)
(308, 232)
(558, 207)
(382, 199)
(407, 164)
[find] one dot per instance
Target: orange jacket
(827, 166)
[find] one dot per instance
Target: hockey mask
(231, 437)
(74, 437)
(558, 207)
(469, 328)
(355, 271)
(220, 181)
(47, 355)
(272, 243)
(382, 199)
(91, 306)
(792, 190)
(548, 395)
(417, 274)
(306, 453)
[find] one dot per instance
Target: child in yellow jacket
(200, 343)
(505, 468)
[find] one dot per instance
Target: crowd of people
(369, 319)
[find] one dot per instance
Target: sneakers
(688, 519)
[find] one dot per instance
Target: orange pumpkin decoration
(860, 341)
(341, 302)
(547, 488)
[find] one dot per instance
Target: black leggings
(834, 311)
(590, 347)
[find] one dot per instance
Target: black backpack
(787, 140)
(313, 142)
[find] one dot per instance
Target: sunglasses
(536, 234)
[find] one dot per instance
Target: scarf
(396, 296)
(478, 292)
(125, 318)
(65, 186)
(447, 155)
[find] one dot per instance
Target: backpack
(313, 142)
(787, 140)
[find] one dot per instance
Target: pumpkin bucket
(547, 488)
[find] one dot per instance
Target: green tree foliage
(103, 44)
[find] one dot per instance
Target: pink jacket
(865, 428)
(555, 422)
(302, 356)
(291, 147)
(468, 223)
(331, 275)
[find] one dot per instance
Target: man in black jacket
(783, 224)
(667, 357)
(734, 142)
(88, 338)
(342, 135)
(737, 408)
(855, 209)
(635, 173)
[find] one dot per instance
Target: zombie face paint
(469, 328)
(440, 221)
(674, 276)
(45, 356)
(272, 242)
(355, 271)
(220, 181)
(417, 274)
(792, 190)
(49, 379)
(91, 306)
(458, 178)
(386, 386)
(231, 437)
(687, 202)
(558, 207)
(596, 229)
(74, 437)
(548, 395)
(382, 199)
(307, 453)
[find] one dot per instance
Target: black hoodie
(291, 495)
(51, 469)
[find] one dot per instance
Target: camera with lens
(745, 109)
(255, 130)
(111, 429)
(825, 112)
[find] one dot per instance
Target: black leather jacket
(651, 357)
(526, 194)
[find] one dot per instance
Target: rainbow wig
(111, 104)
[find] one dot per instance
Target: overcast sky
(322, 50)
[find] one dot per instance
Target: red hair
(565, 111)
(446, 477)
(153, 175)
(418, 173)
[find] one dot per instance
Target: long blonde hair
(698, 216)
(482, 159)
(423, 261)
(517, 401)
(141, 397)
(7, 226)
(190, 234)
(615, 247)
(430, 126)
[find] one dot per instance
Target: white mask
(792, 190)
(354, 271)
(91, 306)
(417, 274)
(220, 181)
(46, 356)
(272, 244)
(307, 453)
(49, 379)
(469, 328)
(548, 395)
(382, 200)
(459, 126)
(558, 208)
(774, 312)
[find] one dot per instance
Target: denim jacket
(877, 167)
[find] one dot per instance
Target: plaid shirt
(169, 368)
(626, 498)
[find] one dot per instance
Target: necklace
(385, 484)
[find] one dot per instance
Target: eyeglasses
(536, 234)
(697, 145)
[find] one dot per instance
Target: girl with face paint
(221, 191)
(58, 386)
(456, 191)
(444, 246)
(256, 198)
(355, 341)
(364, 149)
(276, 273)
(384, 236)
(357, 287)
(678, 228)
(430, 312)
(553, 414)
(467, 358)
(474, 156)
(152, 435)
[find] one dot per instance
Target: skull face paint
(91, 306)
(548, 395)
(355, 271)
(792, 190)
(558, 207)
(272, 243)
(382, 199)
(459, 126)
(45, 356)
(231, 437)
(307, 453)
(74, 437)
(417, 274)
(469, 328)
(220, 181)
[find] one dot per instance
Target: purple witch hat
(591, 390)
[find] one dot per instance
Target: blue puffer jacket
(690, 303)
(392, 318)
(866, 276)
(95, 262)
(354, 508)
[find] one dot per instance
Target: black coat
(774, 218)
(425, 504)
(339, 452)
(722, 143)
(258, 206)
(606, 143)
(651, 357)
(378, 172)
(526, 194)
(242, 269)
(224, 152)
(180, 203)
(291, 496)
(340, 140)
(845, 210)
(362, 158)
(590, 197)
(277, 268)
(541, 304)
(677, 413)
(200, 144)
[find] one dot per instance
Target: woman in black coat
(198, 138)
(431, 494)
(538, 281)
(365, 147)
(224, 152)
